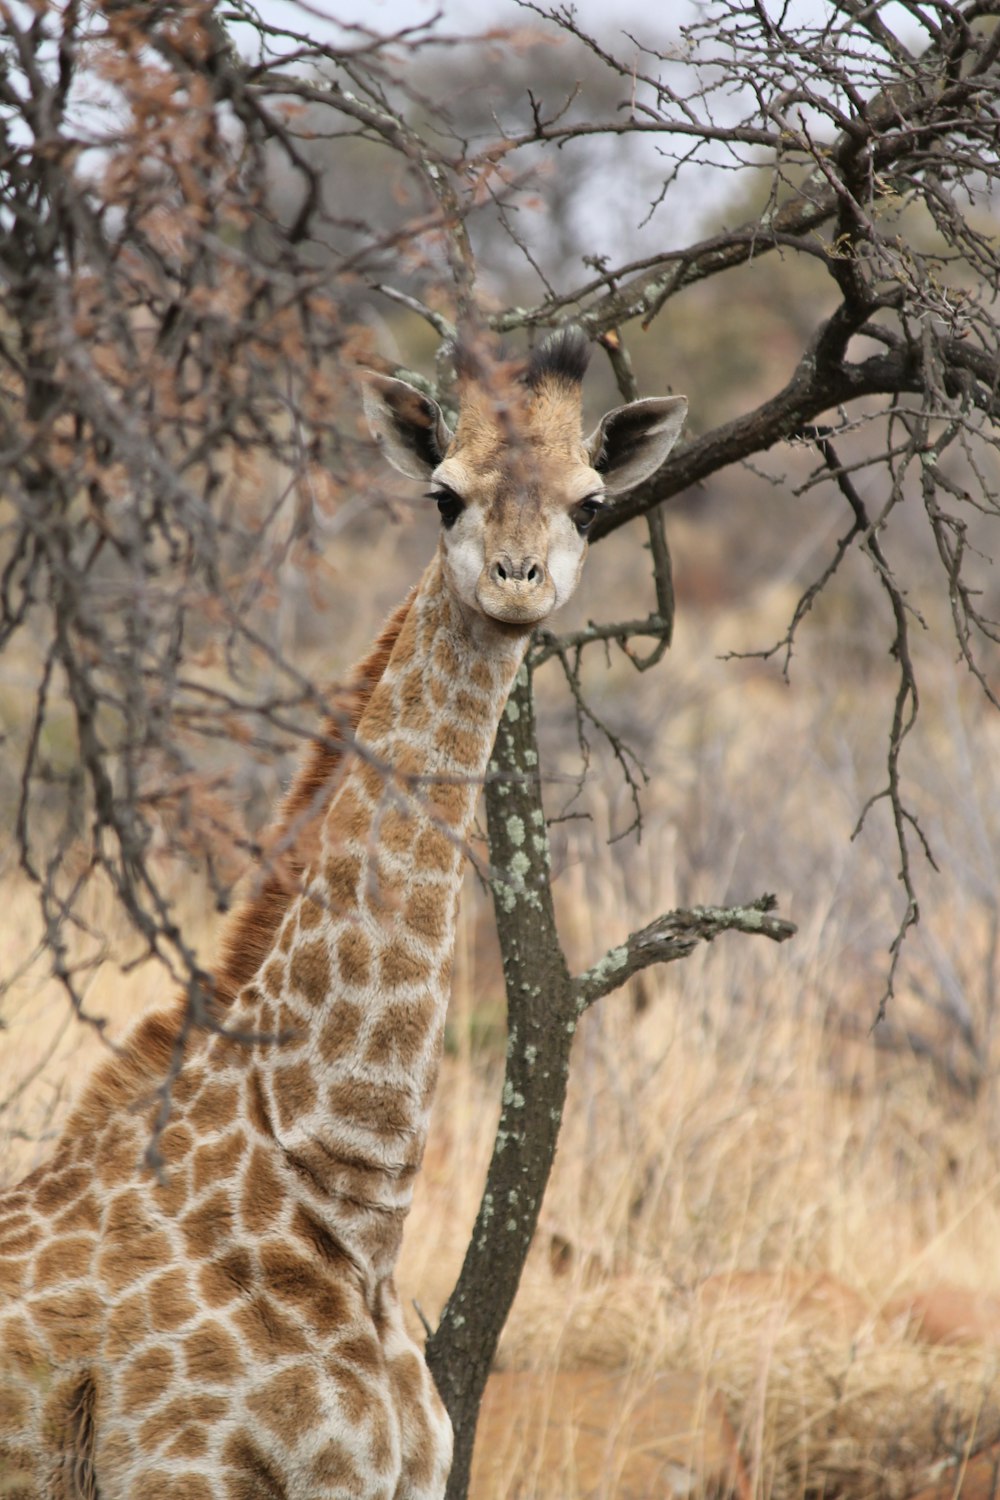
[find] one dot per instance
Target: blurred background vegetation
(735, 1113)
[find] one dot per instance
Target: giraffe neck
(291, 842)
(357, 983)
(149, 1051)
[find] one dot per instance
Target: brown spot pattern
(128, 1325)
(289, 1404)
(190, 1442)
(417, 719)
(85, 1213)
(461, 745)
(373, 780)
(395, 831)
(294, 1092)
(69, 1322)
(296, 1281)
(466, 705)
(213, 1109)
(309, 971)
(341, 872)
(407, 1378)
(400, 1032)
(57, 1189)
(212, 1354)
(359, 1351)
(226, 1277)
(170, 1302)
(23, 1243)
(426, 914)
(409, 762)
(436, 851)
(353, 1394)
(13, 1277)
(340, 1030)
(354, 956)
(266, 1331)
(351, 816)
(450, 801)
(173, 1192)
(273, 977)
(22, 1350)
(401, 965)
(251, 1474)
(334, 1468)
(311, 912)
(378, 1108)
(380, 714)
(180, 1414)
(145, 1379)
(445, 659)
(321, 1241)
(411, 688)
(263, 1193)
(216, 1161)
(292, 1026)
(14, 1406)
(208, 1226)
(175, 1143)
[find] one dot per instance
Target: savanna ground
(732, 1113)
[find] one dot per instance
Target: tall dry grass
(731, 1114)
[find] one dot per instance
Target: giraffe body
(229, 1329)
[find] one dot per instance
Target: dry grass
(730, 1114)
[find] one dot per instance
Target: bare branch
(676, 935)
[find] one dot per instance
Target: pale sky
(656, 22)
(464, 16)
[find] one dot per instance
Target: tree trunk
(541, 1020)
(544, 1004)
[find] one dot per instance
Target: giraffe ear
(631, 442)
(406, 424)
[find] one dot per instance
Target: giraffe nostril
(528, 570)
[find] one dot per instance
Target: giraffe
(228, 1328)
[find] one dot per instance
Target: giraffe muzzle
(518, 591)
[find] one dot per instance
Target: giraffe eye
(584, 513)
(449, 504)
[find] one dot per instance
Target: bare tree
(181, 271)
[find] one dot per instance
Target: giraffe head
(517, 484)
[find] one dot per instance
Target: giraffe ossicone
(229, 1327)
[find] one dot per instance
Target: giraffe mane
(148, 1052)
(251, 931)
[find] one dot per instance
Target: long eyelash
(449, 504)
(586, 511)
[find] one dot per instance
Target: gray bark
(544, 1004)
